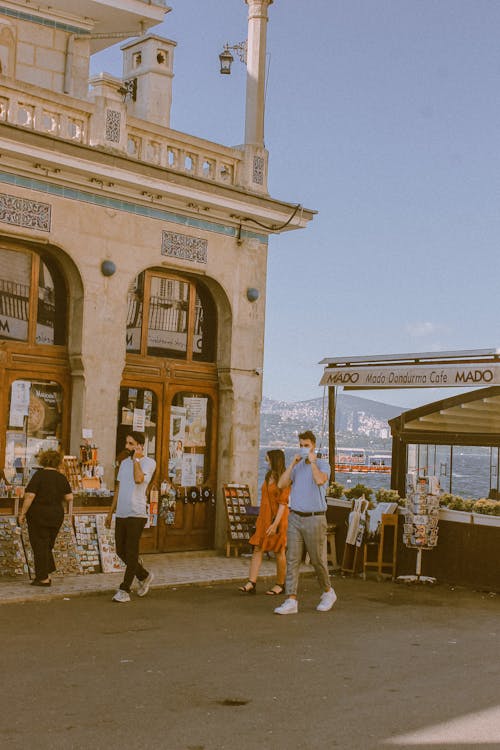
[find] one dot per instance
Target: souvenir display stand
(240, 516)
(89, 466)
(73, 474)
(421, 523)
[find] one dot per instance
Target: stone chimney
(148, 73)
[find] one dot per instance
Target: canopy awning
(469, 418)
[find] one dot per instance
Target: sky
(384, 116)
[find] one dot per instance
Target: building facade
(132, 259)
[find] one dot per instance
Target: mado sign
(441, 376)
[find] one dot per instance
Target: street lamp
(227, 59)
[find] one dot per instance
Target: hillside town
(358, 421)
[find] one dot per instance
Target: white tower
(148, 72)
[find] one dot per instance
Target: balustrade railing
(74, 120)
(183, 153)
(51, 114)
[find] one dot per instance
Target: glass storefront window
(168, 317)
(17, 297)
(468, 471)
(180, 315)
(15, 281)
(34, 425)
(189, 440)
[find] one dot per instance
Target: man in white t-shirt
(130, 504)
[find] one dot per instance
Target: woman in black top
(44, 512)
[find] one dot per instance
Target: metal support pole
(491, 470)
(419, 563)
(332, 406)
(451, 469)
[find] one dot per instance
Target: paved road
(204, 668)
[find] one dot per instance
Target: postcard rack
(240, 516)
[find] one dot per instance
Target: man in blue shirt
(309, 477)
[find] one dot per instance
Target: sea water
(472, 476)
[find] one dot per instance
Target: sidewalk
(171, 569)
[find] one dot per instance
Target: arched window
(33, 298)
(35, 397)
(170, 316)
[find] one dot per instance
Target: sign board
(424, 376)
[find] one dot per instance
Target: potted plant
(335, 489)
(460, 508)
(389, 496)
(486, 512)
(359, 490)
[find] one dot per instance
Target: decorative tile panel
(258, 170)
(25, 213)
(113, 120)
(184, 247)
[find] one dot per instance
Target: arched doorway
(169, 391)
(35, 384)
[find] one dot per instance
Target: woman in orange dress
(271, 526)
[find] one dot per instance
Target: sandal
(250, 587)
(272, 591)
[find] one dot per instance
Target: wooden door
(180, 430)
(188, 463)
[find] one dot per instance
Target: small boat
(358, 461)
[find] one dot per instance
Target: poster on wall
(196, 421)
(15, 455)
(19, 402)
(176, 443)
(139, 420)
(188, 478)
(177, 423)
(200, 469)
(45, 410)
(193, 465)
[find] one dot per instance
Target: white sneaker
(328, 599)
(143, 587)
(289, 607)
(121, 596)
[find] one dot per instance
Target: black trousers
(127, 536)
(42, 540)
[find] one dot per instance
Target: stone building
(132, 266)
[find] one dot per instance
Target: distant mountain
(356, 417)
